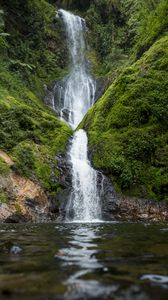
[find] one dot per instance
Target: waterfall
(84, 203)
(79, 96)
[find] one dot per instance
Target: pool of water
(84, 261)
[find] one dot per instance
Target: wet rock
(16, 218)
(57, 202)
(16, 250)
(49, 97)
(101, 86)
(59, 93)
(65, 170)
(119, 207)
(130, 208)
(30, 203)
(65, 114)
(108, 197)
(159, 279)
(6, 211)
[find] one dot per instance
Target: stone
(16, 250)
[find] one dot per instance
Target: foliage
(128, 127)
(4, 168)
(3, 35)
(3, 197)
(121, 31)
(36, 51)
(29, 131)
(152, 28)
(18, 209)
(25, 122)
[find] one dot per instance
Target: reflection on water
(84, 261)
(81, 251)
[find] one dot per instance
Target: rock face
(55, 98)
(119, 207)
(113, 205)
(141, 209)
(65, 180)
(107, 196)
(101, 86)
(27, 202)
(6, 158)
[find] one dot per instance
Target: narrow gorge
(78, 96)
(91, 196)
(83, 111)
(83, 149)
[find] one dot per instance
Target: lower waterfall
(84, 202)
(78, 96)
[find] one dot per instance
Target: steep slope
(31, 55)
(127, 127)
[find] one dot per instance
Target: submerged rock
(16, 250)
(159, 279)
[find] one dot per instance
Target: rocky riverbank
(28, 202)
(24, 200)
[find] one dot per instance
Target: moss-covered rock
(127, 127)
(32, 135)
(4, 168)
(34, 55)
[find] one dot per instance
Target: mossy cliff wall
(32, 53)
(128, 126)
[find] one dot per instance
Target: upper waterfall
(80, 87)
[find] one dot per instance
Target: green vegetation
(121, 31)
(3, 198)
(4, 168)
(31, 54)
(18, 209)
(127, 127)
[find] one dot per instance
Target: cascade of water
(79, 96)
(84, 200)
(80, 87)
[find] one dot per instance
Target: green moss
(4, 168)
(24, 158)
(30, 132)
(153, 27)
(18, 209)
(3, 197)
(36, 51)
(127, 127)
(33, 136)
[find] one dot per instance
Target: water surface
(83, 261)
